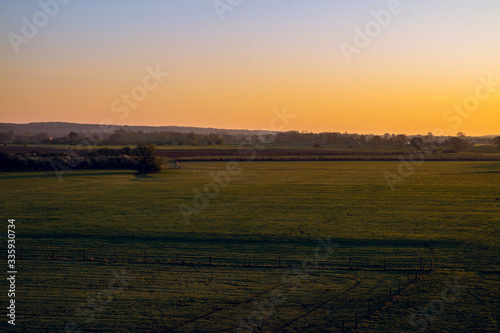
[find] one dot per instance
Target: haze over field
(229, 65)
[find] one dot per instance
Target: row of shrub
(33, 162)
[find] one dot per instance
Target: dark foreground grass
(268, 217)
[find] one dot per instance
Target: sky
(358, 66)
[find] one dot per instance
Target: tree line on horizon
(170, 138)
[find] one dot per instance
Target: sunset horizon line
(249, 129)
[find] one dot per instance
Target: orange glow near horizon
(232, 74)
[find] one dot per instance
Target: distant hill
(56, 129)
(59, 129)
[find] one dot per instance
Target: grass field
(236, 257)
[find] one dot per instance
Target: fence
(145, 257)
(415, 272)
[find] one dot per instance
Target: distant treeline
(120, 137)
(171, 138)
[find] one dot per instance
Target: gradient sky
(265, 54)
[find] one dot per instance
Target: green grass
(444, 211)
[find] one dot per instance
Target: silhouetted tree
(192, 139)
(148, 160)
(126, 151)
(400, 140)
(5, 137)
(416, 142)
(40, 138)
(377, 142)
(73, 138)
(457, 143)
(496, 141)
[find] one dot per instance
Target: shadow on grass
(79, 173)
(156, 176)
(139, 177)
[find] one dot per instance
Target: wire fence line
(409, 272)
(257, 260)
